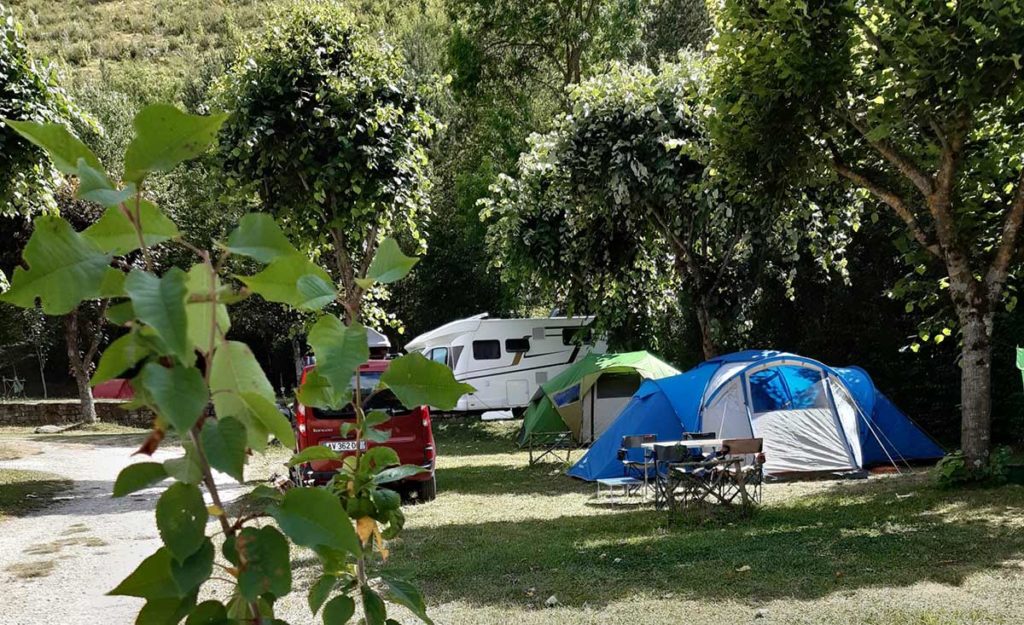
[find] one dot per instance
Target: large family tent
(587, 397)
(813, 418)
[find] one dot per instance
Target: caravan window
(439, 354)
(487, 350)
(514, 346)
(574, 335)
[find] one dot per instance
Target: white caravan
(505, 360)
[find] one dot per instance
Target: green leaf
(234, 372)
(160, 304)
(114, 232)
(398, 473)
(151, 579)
(210, 612)
(121, 313)
(317, 391)
(137, 476)
(181, 518)
(94, 186)
(165, 611)
(319, 592)
(313, 517)
(417, 381)
(164, 137)
(373, 606)
(385, 499)
(403, 593)
(195, 569)
(377, 458)
(316, 452)
(64, 269)
(389, 265)
(63, 148)
(270, 418)
(185, 468)
(293, 280)
(199, 314)
(339, 351)
(113, 283)
(123, 354)
(179, 393)
(224, 443)
(373, 435)
(339, 610)
(258, 236)
(265, 563)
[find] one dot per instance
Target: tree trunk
(704, 322)
(79, 367)
(976, 386)
(42, 370)
(297, 358)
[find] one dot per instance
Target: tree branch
(900, 161)
(893, 199)
(996, 275)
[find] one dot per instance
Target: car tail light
(424, 414)
(300, 419)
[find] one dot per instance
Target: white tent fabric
(803, 413)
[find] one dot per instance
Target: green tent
(585, 398)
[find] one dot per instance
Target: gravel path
(87, 540)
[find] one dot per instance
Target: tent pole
(874, 433)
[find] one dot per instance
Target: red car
(412, 437)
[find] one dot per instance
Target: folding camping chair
(632, 465)
(740, 479)
(665, 456)
(543, 444)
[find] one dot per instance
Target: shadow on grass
(469, 436)
(849, 537)
(503, 479)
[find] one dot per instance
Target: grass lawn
(502, 537)
(24, 491)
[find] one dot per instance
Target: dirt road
(57, 564)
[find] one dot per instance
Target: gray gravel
(93, 540)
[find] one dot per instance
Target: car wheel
(427, 491)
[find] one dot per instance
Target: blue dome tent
(812, 417)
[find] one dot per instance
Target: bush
(953, 471)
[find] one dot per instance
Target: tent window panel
(617, 385)
(567, 396)
(787, 388)
(487, 350)
(517, 346)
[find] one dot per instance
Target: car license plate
(344, 445)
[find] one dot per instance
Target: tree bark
(976, 387)
(78, 367)
(705, 323)
(42, 370)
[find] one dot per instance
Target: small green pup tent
(587, 397)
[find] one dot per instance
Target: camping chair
(543, 444)
(743, 480)
(633, 464)
(664, 457)
(696, 453)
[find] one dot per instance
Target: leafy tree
(28, 91)
(918, 105)
(620, 205)
(329, 134)
(210, 391)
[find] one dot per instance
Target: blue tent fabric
(668, 407)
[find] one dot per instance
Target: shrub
(953, 471)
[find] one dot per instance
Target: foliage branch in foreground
(211, 392)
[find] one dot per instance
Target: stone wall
(56, 412)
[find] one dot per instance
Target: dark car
(411, 437)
